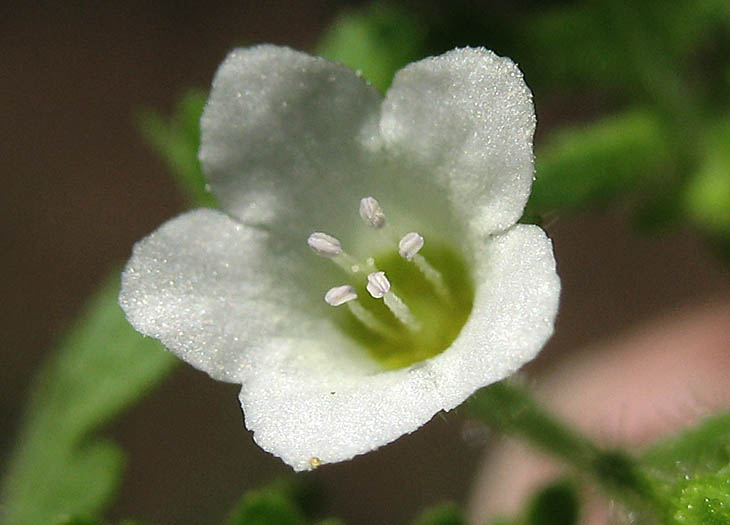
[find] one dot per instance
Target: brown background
(79, 188)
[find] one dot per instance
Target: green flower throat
(403, 306)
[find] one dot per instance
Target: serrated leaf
(376, 40)
(59, 469)
(692, 471)
(704, 449)
(704, 500)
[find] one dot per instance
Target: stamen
(433, 276)
(379, 287)
(346, 294)
(371, 212)
(367, 318)
(324, 245)
(408, 248)
(378, 284)
(410, 245)
(329, 247)
(340, 295)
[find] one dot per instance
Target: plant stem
(512, 410)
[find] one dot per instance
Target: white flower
(432, 290)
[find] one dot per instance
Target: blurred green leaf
(376, 40)
(267, 507)
(291, 500)
(443, 514)
(59, 468)
(707, 196)
(585, 43)
(556, 504)
(81, 521)
(177, 140)
(594, 164)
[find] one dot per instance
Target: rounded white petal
(308, 406)
(284, 135)
(213, 291)
(465, 118)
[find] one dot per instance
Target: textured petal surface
(284, 135)
(303, 401)
(213, 291)
(467, 119)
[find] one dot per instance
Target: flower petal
(467, 118)
(283, 134)
(213, 291)
(307, 409)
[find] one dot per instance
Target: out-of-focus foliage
(444, 514)
(267, 507)
(708, 192)
(556, 504)
(594, 164)
(376, 41)
(61, 468)
(285, 502)
(176, 140)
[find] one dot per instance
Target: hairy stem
(512, 410)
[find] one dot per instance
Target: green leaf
(443, 514)
(704, 449)
(693, 471)
(177, 140)
(59, 469)
(705, 500)
(594, 164)
(556, 504)
(377, 40)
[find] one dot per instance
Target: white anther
(324, 245)
(410, 245)
(378, 284)
(340, 295)
(371, 212)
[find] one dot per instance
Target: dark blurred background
(79, 187)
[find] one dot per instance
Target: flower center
(403, 306)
